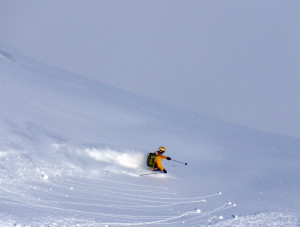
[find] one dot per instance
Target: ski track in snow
(68, 199)
(80, 199)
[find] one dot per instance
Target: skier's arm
(165, 157)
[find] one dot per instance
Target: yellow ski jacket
(158, 159)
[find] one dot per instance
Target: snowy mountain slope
(72, 149)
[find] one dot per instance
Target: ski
(145, 174)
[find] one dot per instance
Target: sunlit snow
(72, 151)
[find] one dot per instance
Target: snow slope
(72, 151)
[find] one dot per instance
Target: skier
(154, 160)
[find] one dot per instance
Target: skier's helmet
(161, 150)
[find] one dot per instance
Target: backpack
(150, 160)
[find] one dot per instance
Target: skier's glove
(165, 171)
(168, 158)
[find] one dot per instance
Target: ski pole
(179, 161)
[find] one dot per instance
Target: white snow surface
(72, 151)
